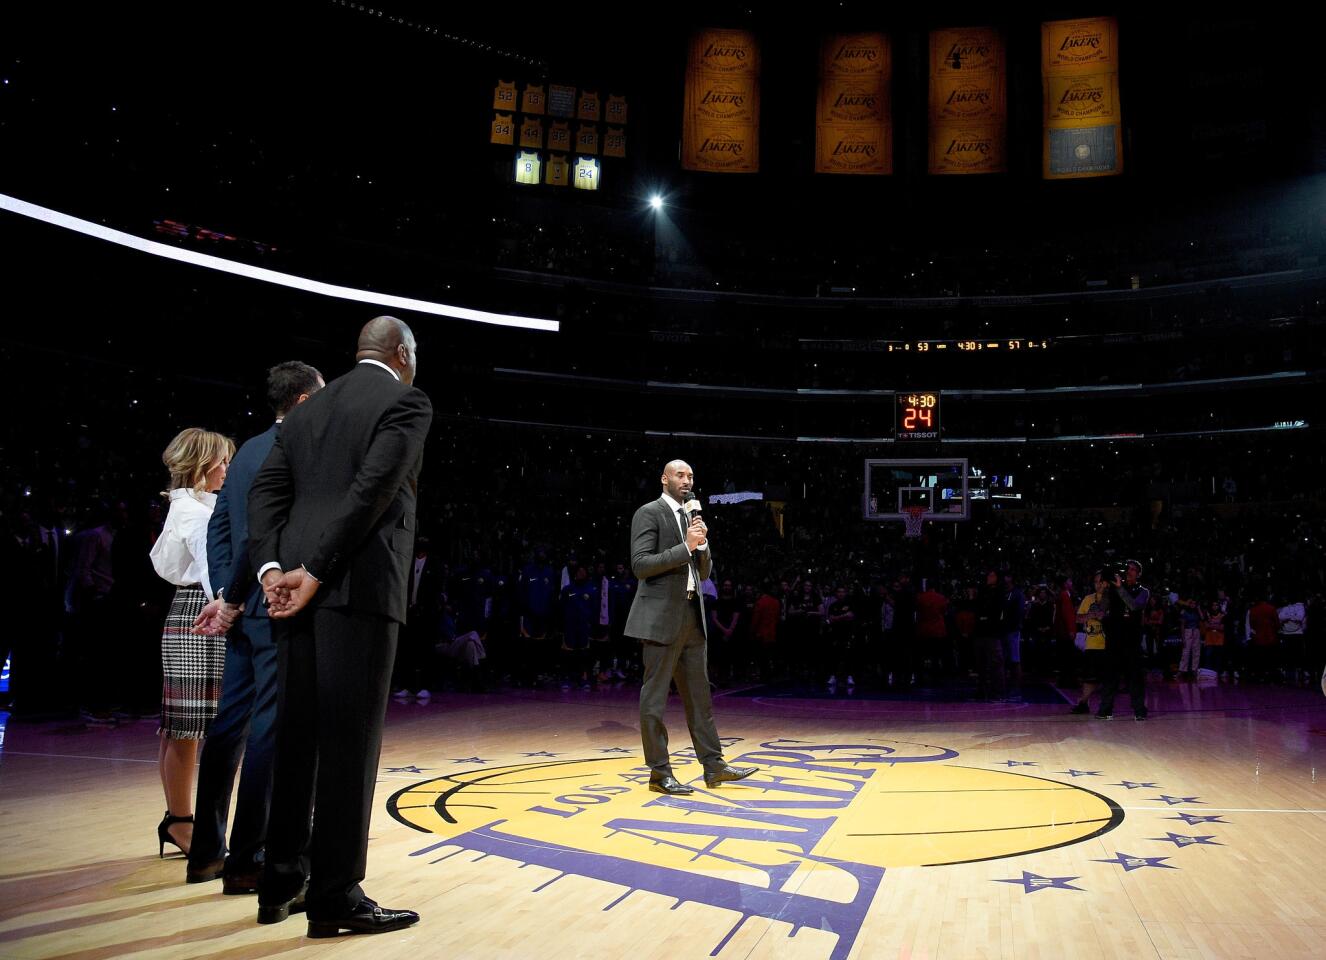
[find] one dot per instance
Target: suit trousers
(682, 661)
(333, 681)
(245, 725)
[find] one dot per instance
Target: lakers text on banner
(967, 148)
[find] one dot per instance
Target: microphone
(692, 507)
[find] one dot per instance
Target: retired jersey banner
(559, 136)
(527, 167)
(531, 132)
(968, 101)
(504, 95)
(616, 109)
(557, 172)
(1080, 83)
(854, 113)
(614, 142)
(721, 116)
(533, 100)
(503, 130)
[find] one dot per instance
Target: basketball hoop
(914, 518)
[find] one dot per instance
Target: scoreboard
(917, 415)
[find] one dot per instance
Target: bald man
(332, 527)
(670, 556)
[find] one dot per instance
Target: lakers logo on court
(807, 840)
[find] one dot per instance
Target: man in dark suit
(246, 715)
(671, 558)
(332, 525)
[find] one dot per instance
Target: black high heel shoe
(163, 833)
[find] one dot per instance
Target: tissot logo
(806, 841)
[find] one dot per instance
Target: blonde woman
(191, 663)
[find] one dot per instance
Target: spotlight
(656, 202)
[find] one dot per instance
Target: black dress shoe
(276, 912)
(205, 872)
(727, 775)
(670, 785)
(368, 917)
(237, 883)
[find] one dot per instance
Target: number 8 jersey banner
(720, 130)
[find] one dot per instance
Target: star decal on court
(469, 760)
(1192, 819)
(1131, 785)
(1031, 882)
(541, 753)
(1131, 863)
(613, 750)
(410, 769)
(1179, 840)
(1015, 763)
(1174, 801)
(1081, 773)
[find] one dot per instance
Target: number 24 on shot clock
(918, 416)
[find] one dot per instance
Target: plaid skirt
(191, 666)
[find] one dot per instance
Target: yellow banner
(856, 55)
(968, 101)
(616, 109)
(1083, 119)
(1088, 46)
(1073, 100)
(853, 148)
(614, 142)
(587, 138)
(504, 95)
(557, 172)
(533, 100)
(968, 148)
(504, 130)
(588, 107)
(731, 52)
(531, 133)
(559, 136)
(721, 113)
(958, 97)
(854, 114)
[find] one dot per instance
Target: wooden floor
(517, 824)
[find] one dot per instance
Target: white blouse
(180, 554)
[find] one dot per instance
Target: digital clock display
(918, 416)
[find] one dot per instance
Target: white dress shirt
(674, 506)
(180, 554)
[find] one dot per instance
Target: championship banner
(533, 100)
(531, 132)
(968, 101)
(557, 172)
(504, 95)
(854, 110)
(588, 107)
(721, 116)
(1080, 82)
(504, 130)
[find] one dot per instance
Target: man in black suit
(332, 525)
(245, 722)
(671, 558)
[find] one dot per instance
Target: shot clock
(918, 416)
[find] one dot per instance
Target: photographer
(1124, 601)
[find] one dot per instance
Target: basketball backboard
(937, 485)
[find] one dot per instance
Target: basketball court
(519, 825)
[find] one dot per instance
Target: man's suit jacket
(228, 531)
(337, 493)
(659, 559)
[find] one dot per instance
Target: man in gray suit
(670, 557)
